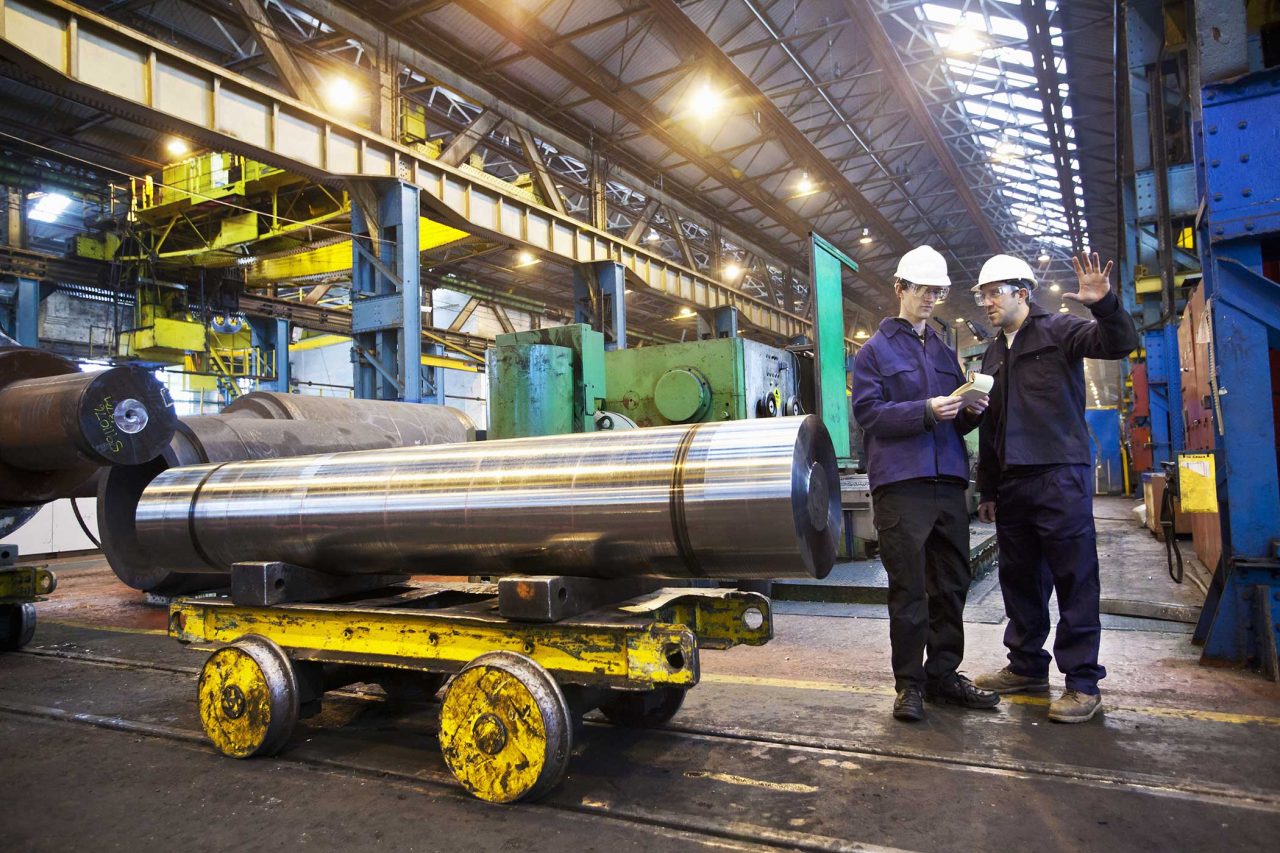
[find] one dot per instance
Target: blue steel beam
(386, 297)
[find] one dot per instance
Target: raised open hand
(1094, 280)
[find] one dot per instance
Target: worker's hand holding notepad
(978, 386)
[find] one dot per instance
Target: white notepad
(979, 384)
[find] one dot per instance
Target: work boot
(909, 706)
(1075, 707)
(955, 689)
(1007, 681)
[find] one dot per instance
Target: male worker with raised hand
(1035, 474)
(903, 379)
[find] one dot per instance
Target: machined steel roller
(261, 425)
(740, 499)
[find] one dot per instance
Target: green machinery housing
(581, 377)
(562, 379)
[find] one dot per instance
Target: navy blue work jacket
(894, 375)
(1036, 414)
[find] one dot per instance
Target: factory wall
(66, 319)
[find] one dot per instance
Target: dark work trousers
(1044, 526)
(924, 544)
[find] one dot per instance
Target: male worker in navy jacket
(1035, 474)
(903, 379)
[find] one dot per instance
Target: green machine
(576, 379)
(719, 379)
(546, 381)
(561, 379)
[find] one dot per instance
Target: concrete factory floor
(789, 745)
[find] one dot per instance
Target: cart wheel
(248, 698)
(504, 728)
(17, 626)
(646, 710)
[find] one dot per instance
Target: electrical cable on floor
(76, 510)
(1167, 518)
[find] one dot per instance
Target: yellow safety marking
(1016, 699)
(730, 779)
(235, 702)
(1169, 713)
(114, 629)
(492, 734)
(797, 684)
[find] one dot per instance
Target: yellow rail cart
(516, 688)
(20, 588)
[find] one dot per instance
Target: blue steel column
(433, 377)
(1240, 621)
(26, 313)
(600, 300)
(386, 309)
(273, 335)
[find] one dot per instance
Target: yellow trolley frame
(20, 588)
(515, 689)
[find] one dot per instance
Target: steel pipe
(261, 425)
(739, 499)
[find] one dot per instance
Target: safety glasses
(939, 294)
(990, 294)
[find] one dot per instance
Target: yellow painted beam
(335, 258)
(320, 341)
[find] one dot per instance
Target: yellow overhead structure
(334, 258)
(320, 341)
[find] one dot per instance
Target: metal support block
(552, 598)
(265, 584)
(1241, 624)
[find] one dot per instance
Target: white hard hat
(1005, 268)
(924, 265)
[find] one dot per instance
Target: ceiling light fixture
(964, 40)
(866, 236)
(805, 184)
(705, 101)
(525, 258)
(1054, 288)
(1045, 258)
(340, 94)
(177, 147)
(732, 271)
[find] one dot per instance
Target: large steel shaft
(741, 499)
(261, 425)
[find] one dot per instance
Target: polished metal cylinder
(261, 425)
(739, 499)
